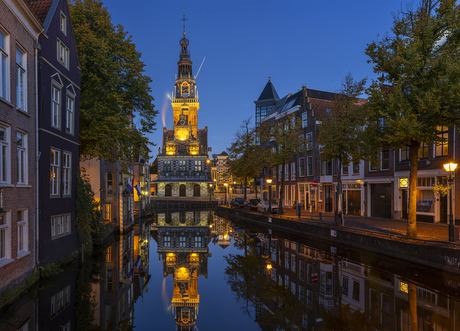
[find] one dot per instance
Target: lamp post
(210, 191)
(225, 184)
(269, 182)
(450, 168)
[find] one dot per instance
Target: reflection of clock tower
(183, 169)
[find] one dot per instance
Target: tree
(420, 63)
(114, 89)
(247, 158)
(341, 131)
(285, 140)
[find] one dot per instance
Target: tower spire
(184, 19)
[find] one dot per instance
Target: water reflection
(183, 238)
(292, 284)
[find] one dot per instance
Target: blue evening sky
(295, 42)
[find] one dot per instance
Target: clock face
(182, 122)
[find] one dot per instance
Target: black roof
(269, 92)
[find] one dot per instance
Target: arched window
(196, 190)
(182, 190)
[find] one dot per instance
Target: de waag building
(183, 170)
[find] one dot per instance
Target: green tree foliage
(90, 229)
(114, 89)
(285, 140)
(341, 131)
(420, 64)
(247, 157)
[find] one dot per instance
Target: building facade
(58, 133)
(183, 169)
(19, 34)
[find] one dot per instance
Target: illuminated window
(404, 287)
(423, 151)
(442, 147)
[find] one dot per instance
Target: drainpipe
(37, 47)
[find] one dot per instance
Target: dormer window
(63, 23)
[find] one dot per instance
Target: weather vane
(184, 19)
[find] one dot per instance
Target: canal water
(192, 270)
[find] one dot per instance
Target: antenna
(200, 68)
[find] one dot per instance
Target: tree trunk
(413, 305)
(255, 187)
(412, 217)
(337, 218)
(245, 186)
(280, 203)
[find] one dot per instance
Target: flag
(138, 262)
(129, 185)
(138, 189)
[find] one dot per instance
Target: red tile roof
(40, 8)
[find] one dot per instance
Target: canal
(192, 270)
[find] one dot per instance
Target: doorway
(328, 198)
(196, 190)
(405, 213)
(168, 190)
(381, 200)
(354, 202)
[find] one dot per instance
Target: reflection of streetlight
(269, 181)
(225, 184)
(450, 168)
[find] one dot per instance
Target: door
(381, 200)
(405, 213)
(182, 190)
(168, 190)
(196, 190)
(354, 202)
(328, 198)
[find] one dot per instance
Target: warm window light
(450, 167)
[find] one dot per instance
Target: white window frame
(304, 119)
(23, 232)
(293, 171)
(66, 173)
(302, 167)
(55, 106)
(70, 111)
(63, 23)
(286, 171)
(62, 53)
(4, 65)
(60, 225)
(22, 156)
(5, 236)
(55, 171)
(309, 141)
(310, 169)
(5, 155)
(21, 79)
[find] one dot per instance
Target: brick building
(19, 32)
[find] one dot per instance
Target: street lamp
(225, 184)
(210, 192)
(269, 181)
(450, 168)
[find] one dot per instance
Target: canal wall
(443, 256)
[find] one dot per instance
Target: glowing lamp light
(450, 167)
(269, 180)
(269, 266)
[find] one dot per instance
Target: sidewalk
(425, 231)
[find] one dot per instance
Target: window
(326, 168)
(302, 167)
(326, 282)
(60, 300)
(309, 298)
(309, 273)
(63, 53)
(286, 260)
(304, 119)
(22, 158)
(70, 106)
(4, 76)
(309, 166)
(108, 212)
(309, 142)
(167, 241)
(286, 282)
(4, 237)
(423, 151)
(182, 166)
(293, 171)
(301, 270)
(55, 106)
(355, 290)
(4, 155)
(63, 23)
(66, 173)
(166, 166)
(22, 222)
(345, 169)
(405, 153)
(55, 171)
(293, 264)
(301, 293)
(355, 167)
(197, 165)
(385, 159)
(442, 147)
(182, 241)
(109, 183)
(60, 226)
(345, 286)
(293, 287)
(21, 83)
(286, 171)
